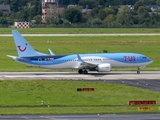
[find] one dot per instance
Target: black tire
(138, 72)
(85, 72)
(80, 71)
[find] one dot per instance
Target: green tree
(95, 12)
(12, 15)
(115, 9)
(125, 17)
(18, 16)
(141, 9)
(3, 20)
(10, 21)
(154, 19)
(50, 20)
(38, 19)
(90, 3)
(14, 6)
(157, 10)
(73, 15)
(116, 2)
(109, 11)
(8, 2)
(17, 5)
(158, 2)
(23, 15)
(84, 18)
(145, 14)
(36, 7)
(1, 13)
(148, 2)
(96, 22)
(144, 19)
(26, 13)
(104, 12)
(67, 2)
(109, 19)
(138, 4)
(113, 2)
(66, 22)
(128, 2)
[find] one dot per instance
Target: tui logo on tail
(22, 50)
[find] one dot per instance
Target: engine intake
(104, 67)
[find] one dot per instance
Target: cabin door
(39, 61)
(137, 59)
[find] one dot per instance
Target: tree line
(101, 12)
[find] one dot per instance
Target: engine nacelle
(104, 67)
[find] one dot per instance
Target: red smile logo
(22, 50)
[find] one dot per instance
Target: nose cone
(149, 60)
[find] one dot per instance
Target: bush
(96, 22)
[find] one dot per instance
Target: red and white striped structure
(21, 24)
(46, 5)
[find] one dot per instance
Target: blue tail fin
(24, 49)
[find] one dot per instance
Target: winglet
(80, 61)
(79, 58)
(50, 51)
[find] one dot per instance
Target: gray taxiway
(114, 75)
(148, 116)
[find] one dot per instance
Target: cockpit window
(144, 57)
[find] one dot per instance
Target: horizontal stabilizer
(14, 57)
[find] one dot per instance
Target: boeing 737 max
(102, 62)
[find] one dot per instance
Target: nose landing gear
(138, 71)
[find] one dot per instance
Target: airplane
(100, 62)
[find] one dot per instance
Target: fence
(83, 26)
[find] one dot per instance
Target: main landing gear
(80, 71)
(138, 71)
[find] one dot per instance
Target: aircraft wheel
(80, 71)
(85, 72)
(138, 72)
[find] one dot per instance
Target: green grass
(64, 93)
(75, 110)
(114, 97)
(147, 45)
(79, 30)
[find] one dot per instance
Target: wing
(84, 65)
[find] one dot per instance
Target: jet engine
(104, 67)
